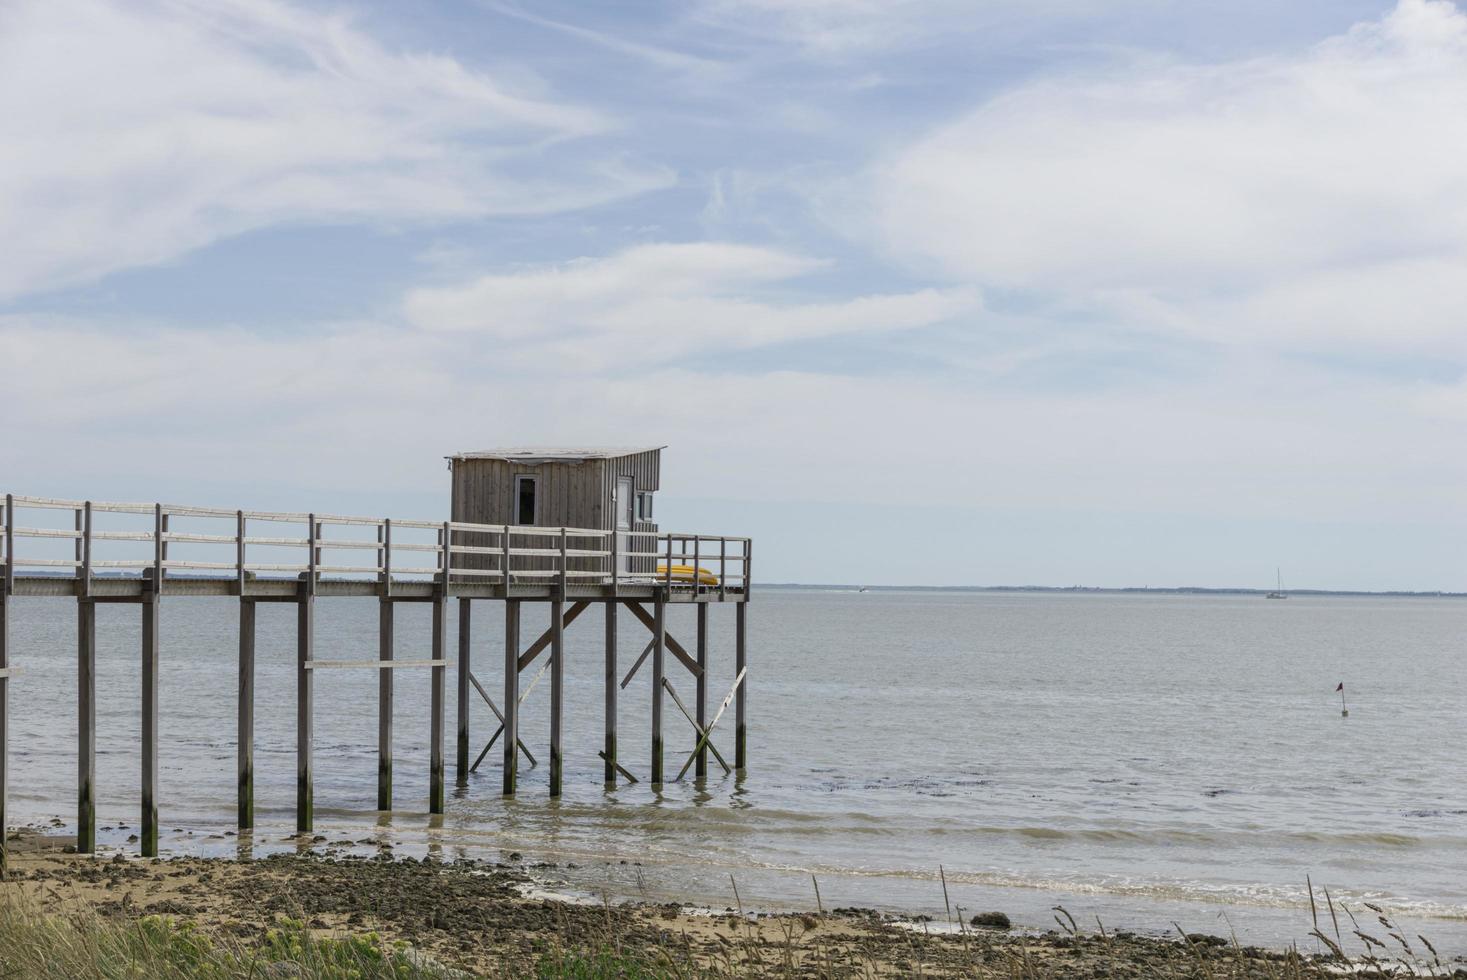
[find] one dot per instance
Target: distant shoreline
(1111, 590)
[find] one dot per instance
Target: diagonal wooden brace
(540, 645)
(621, 769)
(708, 732)
(696, 727)
(677, 649)
(500, 730)
(638, 665)
(498, 714)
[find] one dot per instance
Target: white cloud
(1297, 200)
(367, 405)
(136, 131)
(659, 303)
(854, 28)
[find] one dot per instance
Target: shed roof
(547, 454)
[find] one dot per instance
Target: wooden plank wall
(571, 494)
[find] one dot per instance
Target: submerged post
(5, 581)
(659, 642)
(149, 845)
(700, 768)
(511, 692)
(741, 634)
(384, 704)
(246, 747)
(86, 700)
(461, 762)
(608, 752)
(557, 688)
(384, 674)
(86, 731)
(305, 638)
(440, 653)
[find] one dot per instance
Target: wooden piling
(151, 607)
(741, 633)
(557, 690)
(659, 642)
(700, 769)
(608, 751)
(86, 729)
(246, 744)
(5, 685)
(511, 692)
(384, 704)
(440, 657)
(465, 662)
(305, 638)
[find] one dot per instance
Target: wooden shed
(597, 489)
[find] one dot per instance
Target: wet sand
(488, 918)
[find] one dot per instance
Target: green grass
(85, 945)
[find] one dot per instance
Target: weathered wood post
(6, 581)
(700, 768)
(557, 672)
(152, 601)
(741, 633)
(384, 674)
(465, 653)
(86, 697)
(245, 749)
(440, 673)
(659, 642)
(305, 638)
(608, 752)
(511, 691)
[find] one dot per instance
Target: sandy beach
(481, 919)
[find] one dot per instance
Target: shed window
(525, 488)
(644, 506)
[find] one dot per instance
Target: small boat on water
(1278, 592)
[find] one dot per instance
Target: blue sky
(916, 291)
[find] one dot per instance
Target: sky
(963, 292)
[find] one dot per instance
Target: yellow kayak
(684, 573)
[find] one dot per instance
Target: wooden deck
(143, 554)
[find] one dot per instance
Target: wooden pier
(146, 553)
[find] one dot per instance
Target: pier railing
(159, 539)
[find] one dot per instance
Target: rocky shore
(486, 919)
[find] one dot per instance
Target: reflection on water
(1146, 758)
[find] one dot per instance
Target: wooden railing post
(563, 561)
(697, 560)
(504, 561)
(239, 553)
(748, 567)
(313, 554)
(615, 558)
(722, 568)
(9, 583)
(84, 545)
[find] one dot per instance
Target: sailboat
(1278, 592)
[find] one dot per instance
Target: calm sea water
(1146, 759)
